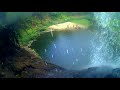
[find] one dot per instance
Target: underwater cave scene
(59, 44)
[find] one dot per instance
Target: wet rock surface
(27, 65)
(93, 72)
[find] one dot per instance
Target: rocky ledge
(66, 26)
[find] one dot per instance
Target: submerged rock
(115, 73)
(91, 72)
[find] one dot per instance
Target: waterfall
(104, 50)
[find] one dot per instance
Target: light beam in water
(81, 49)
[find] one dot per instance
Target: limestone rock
(66, 26)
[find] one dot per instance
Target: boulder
(66, 26)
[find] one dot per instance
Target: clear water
(75, 50)
(68, 49)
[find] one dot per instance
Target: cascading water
(104, 45)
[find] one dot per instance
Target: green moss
(81, 21)
(30, 34)
(115, 25)
(29, 30)
(31, 27)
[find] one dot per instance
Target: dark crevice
(9, 43)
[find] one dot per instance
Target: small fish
(67, 51)
(81, 49)
(54, 45)
(76, 60)
(45, 50)
(52, 56)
